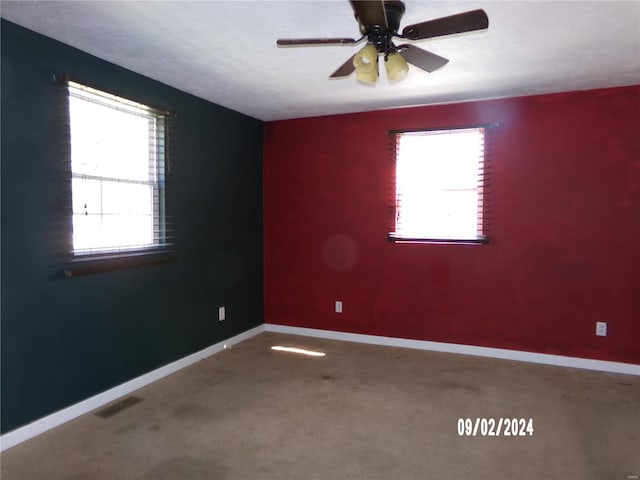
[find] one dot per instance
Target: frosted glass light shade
(397, 67)
(366, 60)
(369, 77)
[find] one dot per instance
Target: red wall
(565, 229)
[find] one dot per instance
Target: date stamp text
(495, 427)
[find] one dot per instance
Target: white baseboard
(21, 434)
(517, 355)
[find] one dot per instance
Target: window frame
(119, 257)
(482, 236)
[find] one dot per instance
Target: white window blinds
(118, 156)
(440, 188)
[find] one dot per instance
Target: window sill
(88, 265)
(441, 241)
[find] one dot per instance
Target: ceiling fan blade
(370, 12)
(424, 60)
(459, 23)
(291, 42)
(344, 70)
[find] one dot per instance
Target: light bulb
(397, 67)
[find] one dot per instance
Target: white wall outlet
(601, 329)
(221, 313)
(338, 306)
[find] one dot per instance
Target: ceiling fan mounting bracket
(394, 10)
(380, 35)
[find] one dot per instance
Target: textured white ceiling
(225, 52)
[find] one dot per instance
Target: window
(118, 174)
(439, 186)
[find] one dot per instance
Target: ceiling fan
(379, 22)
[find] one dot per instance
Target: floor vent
(118, 407)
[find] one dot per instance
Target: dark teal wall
(66, 339)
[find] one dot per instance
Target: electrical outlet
(601, 329)
(338, 306)
(221, 313)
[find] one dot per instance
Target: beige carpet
(359, 412)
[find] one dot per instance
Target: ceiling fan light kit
(379, 22)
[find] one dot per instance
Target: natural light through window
(301, 351)
(439, 185)
(117, 172)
